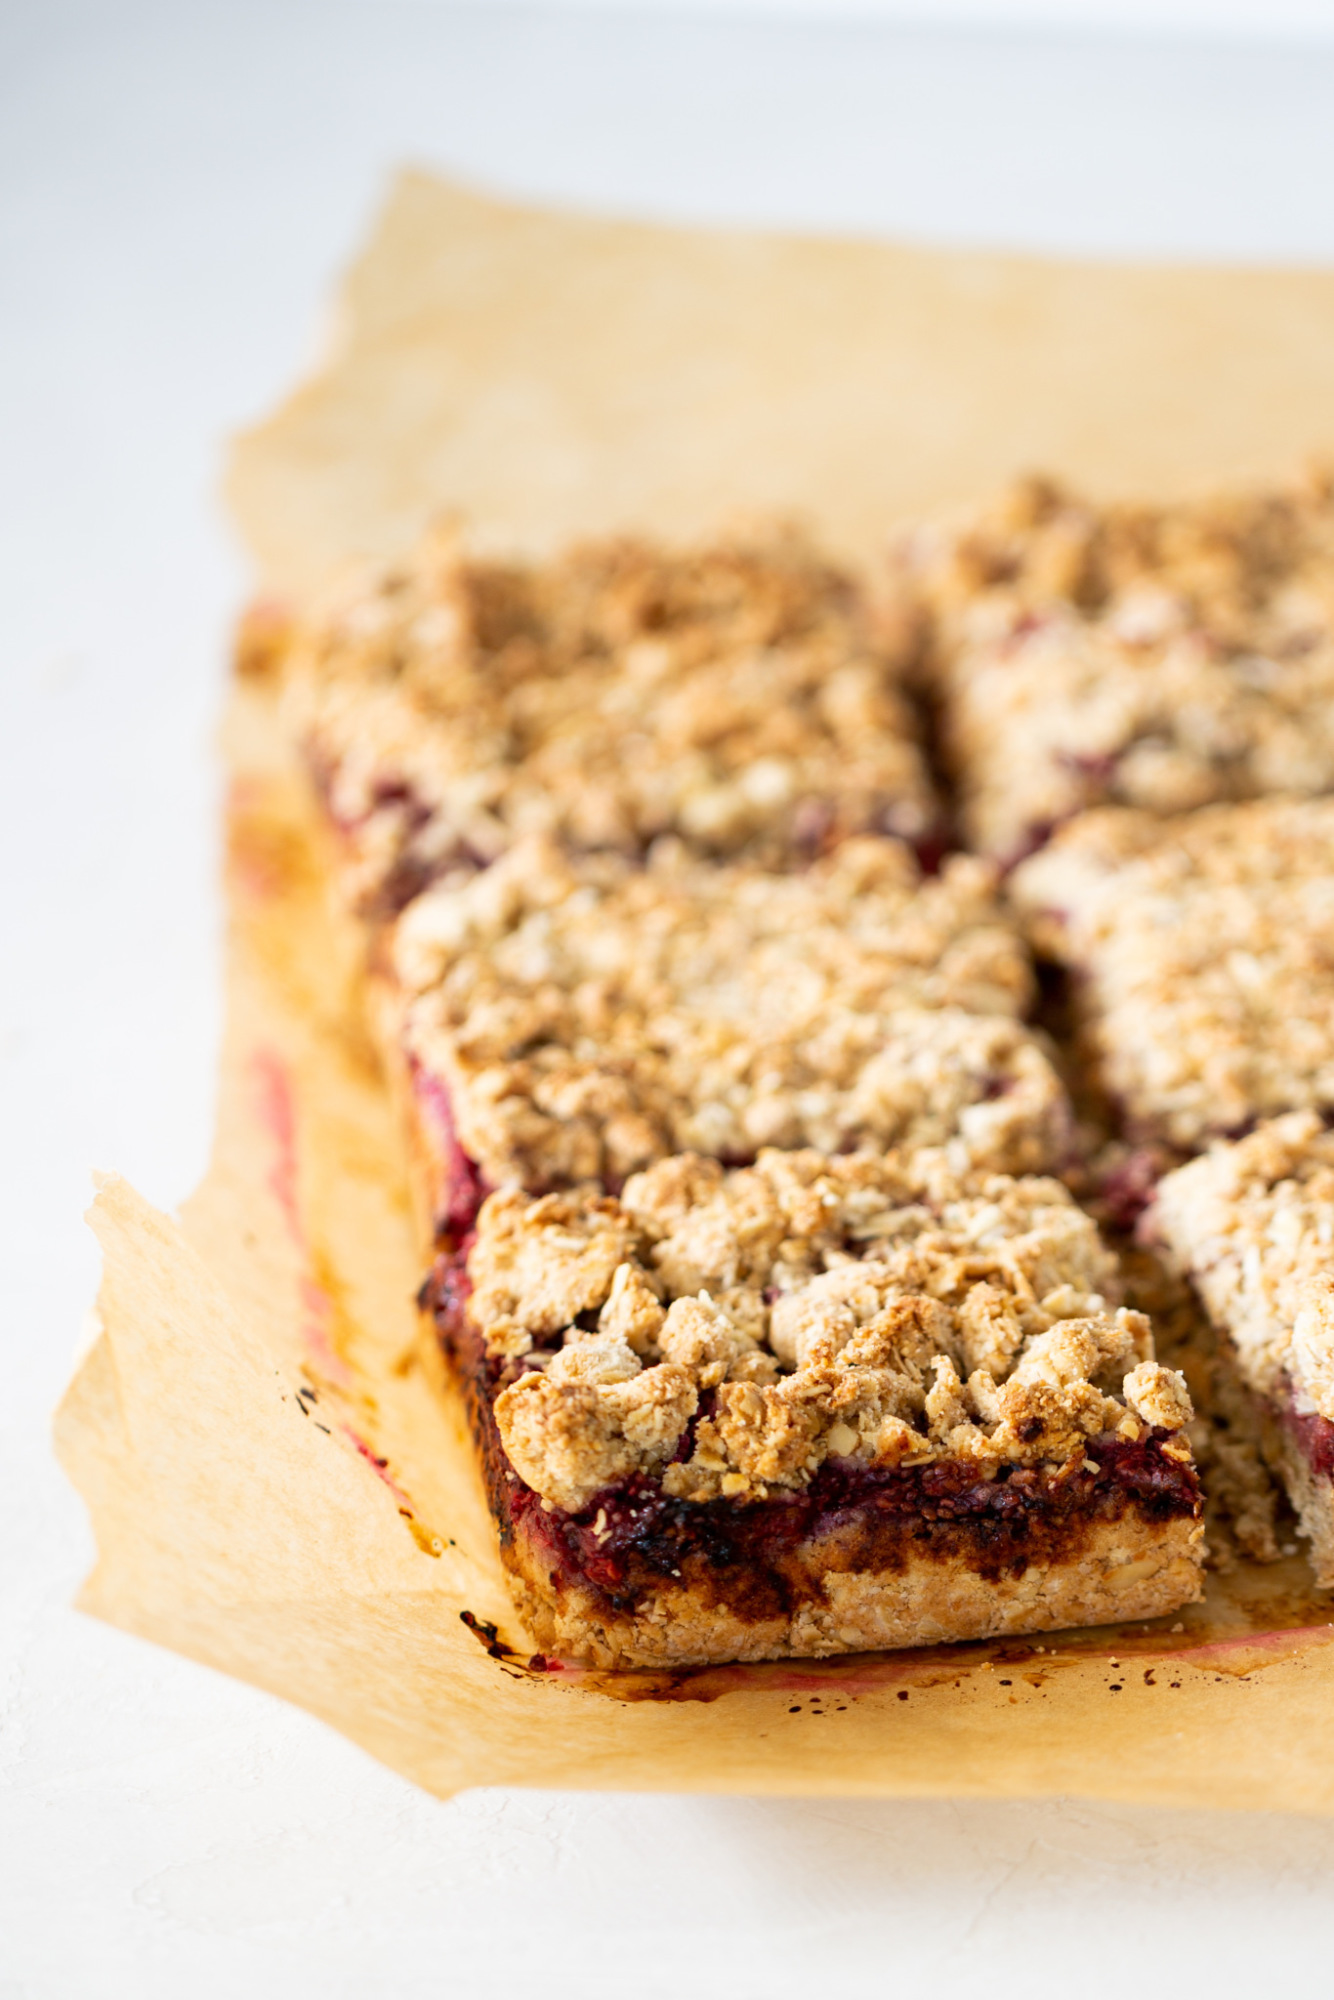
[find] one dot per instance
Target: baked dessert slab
(1244, 1510)
(814, 1405)
(565, 1019)
(1252, 1225)
(1201, 952)
(732, 695)
(1162, 657)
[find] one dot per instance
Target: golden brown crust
(730, 694)
(1158, 657)
(1202, 950)
(878, 1311)
(586, 1017)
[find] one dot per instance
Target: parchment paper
(552, 374)
(279, 1482)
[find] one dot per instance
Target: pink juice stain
(379, 1466)
(276, 1107)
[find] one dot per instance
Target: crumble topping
(731, 694)
(1252, 1223)
(1203, 954)
(1156, 657)
(588, 1016)
(876, 1308)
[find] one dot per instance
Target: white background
(178, 186)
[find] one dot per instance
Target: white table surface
(178, 186)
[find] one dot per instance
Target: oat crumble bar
(1202, 955)
(723, 1098)
(815, 1405)
(1242, 1499)
(1156, 657)
(732, 695)
(570, 1019)
(1252, 1225)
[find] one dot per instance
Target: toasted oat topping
(867, 1307)
(1252, 1224)
(730, 694)
(1203, 953)
(1156, 657)
(589, 1016)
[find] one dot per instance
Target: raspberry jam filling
(634, 1537)
(408, 873)
(760, 1556)
(1127, 1189)
(1312, 1433)
(459, 1189)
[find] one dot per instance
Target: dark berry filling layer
(409, 873)
(759, 1558)
(460, 1189)
(851, 1517)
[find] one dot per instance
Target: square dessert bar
(1156, 657)
(555, 1019)
(1202, 955)
(732, 695)
(815, 1405)
(1252, 1225)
